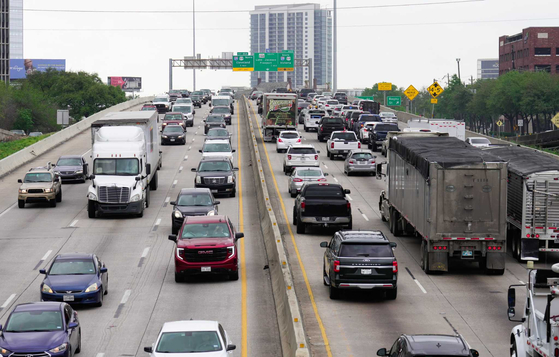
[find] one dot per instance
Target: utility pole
(193, 43)
(170, 74)
(458, 61)
(335, 87)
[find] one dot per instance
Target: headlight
(48, 190)
(79, 172)
(92, 196)
(230, 179)
(211, 213)
(178, 214)
(231, 251)
(180, 136)
(5, 352)
(47, 289)
(60, 348)
(22, 191)
(198, 179)
(135, 198)
(92, 287)
(164, 136)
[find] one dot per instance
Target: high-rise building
(534, 49)
(487, 68)
(4, 40)
(305, 29)
(16, 29)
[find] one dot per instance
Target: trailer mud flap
(495, 261)
(438, 261)
(529, 249)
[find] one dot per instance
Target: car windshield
(72, 267)
(216, 132)
(74, 161)
(195, 199)
(385, 127)
(288, 135)
(332, 121)
(215, 147)
(324, 191)
(302, 151)
(362, 155)
(37, 177)
(309, 173)
(365, 250)
(214, 119)
(183, 100)
(220, 110)
(172, 117)
(480, 141)
(148, 108)
(332, 102)
(34, 321)
(121, 167)
(317, 112)
(173, 129)
(205, 230)
(160, 99)
(369, 118)
(344, 136)
(189, 342)
(209, 166)
(183, 108)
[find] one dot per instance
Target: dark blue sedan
(75, 279)
(41, 329)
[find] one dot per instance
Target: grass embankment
(10, 147)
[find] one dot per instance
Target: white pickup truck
(341, 143)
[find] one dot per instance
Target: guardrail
(29, 153)
(290, 323)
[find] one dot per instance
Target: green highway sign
(243, 63)
(366, 98)
(394, 101)
(265, 62)
(242, 53)
(286, 61)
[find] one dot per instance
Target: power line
(449, 2)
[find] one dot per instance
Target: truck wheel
(513, 349)
(392, 294)
(306, 129)
(324, 275)
(425, 260)
(327, 153)
(334, 292)
(294, 217)
(154, 182)
(395, 226)
(350, 225)
(21, 203)
(91, 209)
(332, 156)
(301, 227)
(374, 148)
(52, 203)
(147, 197)
(293, 193)
(369, 145)
(59, 196)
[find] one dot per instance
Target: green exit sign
(393, 101)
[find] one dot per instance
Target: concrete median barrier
(23, 156)
(290, 323)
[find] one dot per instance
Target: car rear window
(365, 250)
(289, 135)
(309, 173)
(384, 127)
(344, 136)
(362, 155)
(302, 151)
(324, 191)
(332, 121)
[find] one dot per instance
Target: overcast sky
(399, 44)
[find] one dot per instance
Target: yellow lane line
(244, 334)
(288, 225)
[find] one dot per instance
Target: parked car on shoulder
(300, 175)
(18, 132)
(35, 133)
(192, 202)
(71, 168)
(286, 139)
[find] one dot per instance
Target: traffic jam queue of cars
(205, 239)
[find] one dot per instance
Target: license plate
(344, 151)
(467, 253)
(172, 139)
(68, 298)
(206, 269)
(366, 271)
(362, 162)
(325, 219)
(214, 191)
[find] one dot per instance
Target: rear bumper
(302, 164)
(332, 220)
(362, 168)
(365, 286)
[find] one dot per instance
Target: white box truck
(125, 157)
(455, 128)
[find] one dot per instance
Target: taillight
(297, 180)
(351, 162)
(494, 247)
(537, 235)
(439, 247)
(299, 140)
(303, 205)
(348, 205)
(359, 145)
(322, 180)
(288, 157)
(395, 266)
(279, 140)
(336, 266)
(321, 129)
(332, 145)
(316, 157)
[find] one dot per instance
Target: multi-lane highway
(142, 290)
(464, 300)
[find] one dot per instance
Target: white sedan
(478, 141)
(191, 338)
(286, 139)
(388, 117)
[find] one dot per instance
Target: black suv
(341, 97)
(378, 134)
(429, 345)
(214, 121)
(217, 174)
(360, 260)
(192, 202)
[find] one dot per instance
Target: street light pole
(335, 82)
(193, 43)
(458, 61)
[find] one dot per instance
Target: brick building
(534, 49)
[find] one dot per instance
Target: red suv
(206, 245)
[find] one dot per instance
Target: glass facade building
(303, 28)
(16, 29)
(4, 40)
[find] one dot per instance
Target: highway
(465, 300)
(142, 291)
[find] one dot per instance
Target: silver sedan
(360, 161)
(301, 175)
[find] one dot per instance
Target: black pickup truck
(322, 204)
(327, 125)
(378, 134)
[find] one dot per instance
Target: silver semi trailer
(450, 194)
(532, 201)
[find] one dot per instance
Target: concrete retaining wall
(292, 332)
(23, 156)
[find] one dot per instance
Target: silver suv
(300, 155)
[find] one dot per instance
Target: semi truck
(455, 128)
(279, 112)
(450, 194)
(125, 156)
(532, 201)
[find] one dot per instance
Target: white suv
(312, 117)
(388, 117)
(286, 139)
(300, 155)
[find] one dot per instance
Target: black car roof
(437, 344)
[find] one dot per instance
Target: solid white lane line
(367, 219)
(335, 179)
(326, 167)
(13, 296)
(46, 255)
(349, 197)
(190, 147)
(85, 153)
(420, 286)
(7, 209)
(145, 253)
(196, 133)
(73, 224)
(125, 296)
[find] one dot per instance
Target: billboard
(20, 68)
(127, 84)
(487, 68)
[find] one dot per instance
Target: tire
(513, 349)
(382, 218)
(148, 196)
(369, 146)
(162, 143)
(334, 292)
(332, 157)
(350, 225)
(319, 138)
(374, 148)
(425, 260)
(277, 150)
(21, 203)
(91, 209)
(327, 153)
(294, 217)
(324, 275)
(293, 194)
(100, 303)
(59, 196)
(107, 286)
(301, 227)
(154, 182)
(234, 276)
(233, 193)
(52, 203)
(178, 278)
(392, 294)
(394, 221)
(306, 129)
(79, 348)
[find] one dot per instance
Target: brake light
(321, 129)
(332, 145)
(322, 180)
(494, 247)
(351, 162)
(316, 157)
(439, 247)
(395, 266)
(297, 180)
(537, 235)
(280, 141)
(336, 266)
(288, 157)
(303, 205)
(299, 140)
(372, 161)
(348, 205)
(359, 145)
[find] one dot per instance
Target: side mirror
(346, 191)
(103, 270)
(199, 150)
(511, 297)
(173, 237)
(324, 244)
(84, 168)
(148, 169)
(382, 352)
(474, 353)
(19, 181)
(193, 169)
(326, 174)
(173, 203)
(72, 325)
(138, 178)
(91, 177)
(235, 169)
(217, 202)
(239, 235)
(148, 349)
(233, 150)
(318, 151)
(43, 271)
(231, 347)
